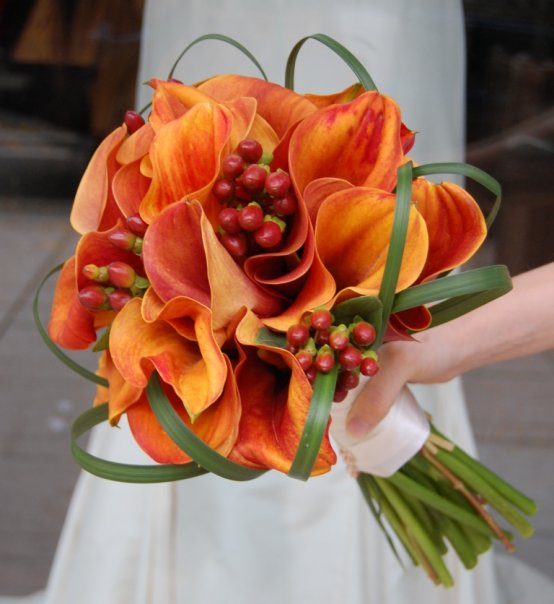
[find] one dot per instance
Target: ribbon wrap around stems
(393, 442)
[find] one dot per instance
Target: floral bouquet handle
(244, 253)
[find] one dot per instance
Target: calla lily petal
(119, 394)
(169, 245)
(279, 106)
(71, 324)
(129, 188)
(94, 207)
(353, 232)
(318, 190)
(358, 142)
(344, 96)
(197, 371)
(275, 405)
(135, 146)
(455, 223)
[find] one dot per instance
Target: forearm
(517, 324)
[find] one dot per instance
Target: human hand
(425, 360)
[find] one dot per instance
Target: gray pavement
(511, 405)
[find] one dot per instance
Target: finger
(375, 400)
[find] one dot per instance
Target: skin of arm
(518, 324)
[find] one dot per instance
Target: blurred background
(67, 75)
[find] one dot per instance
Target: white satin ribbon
(395, 440)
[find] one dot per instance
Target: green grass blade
(315, 426)
(493, 279)
(66, 360)
(355, 65)
(397, 244)
(189, 442)
(221, 38)
(119, 472)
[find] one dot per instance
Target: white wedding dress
(276, 540)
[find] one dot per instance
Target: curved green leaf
(352, 62)
(494, 280)
(117, 471)
(221, 38)
(397, 244)
(189, 442)
(315, 426)
(82, 371)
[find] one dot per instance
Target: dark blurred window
(510, 120)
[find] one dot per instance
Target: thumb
(374, 401)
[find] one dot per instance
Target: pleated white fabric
(276, 540)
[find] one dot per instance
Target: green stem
(513, 495)
(478, 484)
(436, 501)
(416, 530)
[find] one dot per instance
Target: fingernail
(358, 427)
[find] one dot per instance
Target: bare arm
(518, 324)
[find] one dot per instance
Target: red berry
(118, 298)
(298, 335)
(311, 373)
(95, 273)
(348, 379)
(321, 320)
(229, 220)
(364, 333)
(253, 178)
(136, 224)
(305, 359)
(235, 244)
(224, 190)
(350, 357)
(251, 217)
(321, 337)
(121, 274)
(250, 150)
(292, 349)
(340, 394)
(369, 366)
(324, 362)
(285, 206)
(338, 338)
(268, 235)
(93, 297)
(232, 165)
(277, 184)
(133, 121)
(123, 240)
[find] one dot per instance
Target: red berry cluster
(258, 203)
(120, 282)
(319, 345)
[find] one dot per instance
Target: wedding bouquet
(245, 250)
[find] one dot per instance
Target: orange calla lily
(455, 223)
(185, 157)
(359, 142)
(214, 279)
(196, 370)
(352, 233)
(217, 426)
(275, 401)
